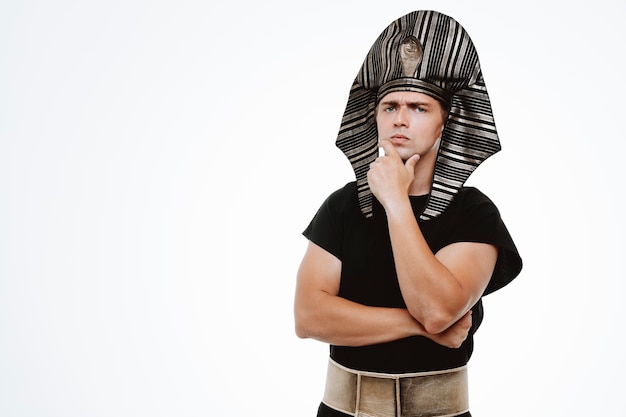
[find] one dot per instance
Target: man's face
(411, 121)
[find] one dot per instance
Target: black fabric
(326, 411)
(368, 273)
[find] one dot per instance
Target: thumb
(411, 162)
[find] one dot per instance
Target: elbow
(309, 325)
(310, 320)
(303, 325)
(434, 322)
(436, 326)
(301, 331)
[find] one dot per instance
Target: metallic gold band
(425, 394)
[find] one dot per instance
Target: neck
(423, 177)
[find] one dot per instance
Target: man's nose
(401, 117)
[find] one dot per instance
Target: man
(398, 261)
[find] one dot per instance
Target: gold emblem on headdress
(411, 52)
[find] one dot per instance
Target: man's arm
(321, 314)
(439, 288)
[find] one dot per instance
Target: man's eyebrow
(388, 102)
(408, 103)
(419, 103)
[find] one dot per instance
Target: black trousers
(326, 411)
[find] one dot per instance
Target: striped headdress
(427, 52)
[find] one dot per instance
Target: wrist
(398, 207)
(412, 327)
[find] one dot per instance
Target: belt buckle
(378, 397)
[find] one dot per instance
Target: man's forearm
(341, 322)
(431, 292)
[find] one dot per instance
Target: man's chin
(405, 156)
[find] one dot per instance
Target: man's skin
(438, 289)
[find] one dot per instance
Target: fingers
(467, 319)
(389, 149)
(411, 162)
(464, 326)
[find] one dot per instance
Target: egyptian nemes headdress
(427, 52)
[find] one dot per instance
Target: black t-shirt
(368, 273)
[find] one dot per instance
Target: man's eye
(390, 109)
(420, 109)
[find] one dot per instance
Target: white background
(159, 160)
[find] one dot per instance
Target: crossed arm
(321, 314)
(438, 289)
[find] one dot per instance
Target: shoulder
(339, 205)
(470, 201)
(343, 199)
(346, 191)
(328, 226)
(472, 195)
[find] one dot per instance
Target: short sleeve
(325, 229)
(475, 218)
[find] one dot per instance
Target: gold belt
(373, 394)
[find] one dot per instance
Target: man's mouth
(398, 138)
